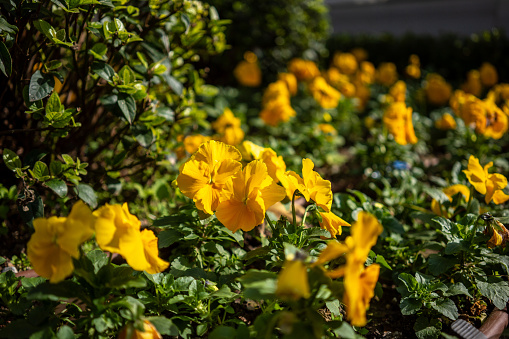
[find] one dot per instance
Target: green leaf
(63, 290)
(11, 159)
(46, 29)
(426, 329)
(6, 27)
(99, 51)
(436, 194)
(41, 171)
(127, 106)
(103, 70)
(222, 332)
(172, 220)
(381, 260)
(497, 292)
(409, 281)
(345, 331)
(68, 159)
(439, 264)
(259, 284)
(5, 60)
(457, 288)
(40, 86)
(127, 75)
(409, 305)
(65, 332)
(58, 186)
(446, 307)
(169, 237)
(334, 307)
(2, 260)
(55, 168)
(392, 225)
(143, 134)
(87, 194)
(53, 104)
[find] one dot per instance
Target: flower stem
(293, 210)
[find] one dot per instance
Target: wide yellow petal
(213, 151)
(236, 215)
(272, 194)
(365, 232)
(193, 176)
(152, 253)
(132, 249)
(359, 289)
(293, 282)
(225, 170)
(477, 175)
(79, 227)
(494, 183)
(499, 197)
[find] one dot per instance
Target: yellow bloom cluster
(276, 100)
(398, 120)
(485, 183)
(437, 90)
(359, 281)
(213, 177)
(483, 115)
(228, 128)
(57, 240)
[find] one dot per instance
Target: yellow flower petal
(332, 223)
(293, 282)
(152, 253)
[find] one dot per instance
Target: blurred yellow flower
(362, 93)
(360, 54)
(437, 90)
(484, 182)
(398, 91)
(446, 122)
(413, 69)
(228, 127)
(323, 93)
(489, 75)
(277, 90)
(149, 332)
(345, 62)
(398, 120)
(192, 142)
(359, 285)
(290, 80)
(304, 70)
(473, 84)
(250, 150)
(292, 282)
(332, 223)
(247, 196)
(450, 192)
(247, 72)
(277, 111)
(204, 175)
(386, 74)
(327, 129)
(118, 231)
(483, 115)
(56, 241)
(276, 166)
(366, 73)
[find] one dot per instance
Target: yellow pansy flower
(292, 282)
(414, 67)
(56, 241)
(437, 90)
(118, 231)
(345, 62)
(290, 80)
(398, 91)
(488, 74)
(246, 198)
(277, 111)
(484, 182)
(324, 94)
(304, 70)
(277, 90)
(473, 84)
(310, 185)
(228, 127)
(446, 122)
(398, 120)
(204, 175)
(450, 192)
(247, 72)
(386, 74)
